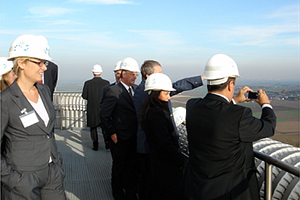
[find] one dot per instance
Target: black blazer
(220, 137)
(117, 112)
(92, 92)
(25, 149)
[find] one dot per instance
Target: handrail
(278, 163)
(273, 161)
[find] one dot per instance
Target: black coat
(50, 77)
(166, 160)
(92, 91)
(220, 136)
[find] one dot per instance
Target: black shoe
(106, 145)
(95, 148)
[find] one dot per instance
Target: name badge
(29, 118)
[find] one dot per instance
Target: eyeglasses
(40, 63)
(132, 73)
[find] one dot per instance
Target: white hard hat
(158, 81)
(5, 66)
(117, 66)
(29, 46)
(129, 64)
(97, 69)
(179, 114)
(218, 68)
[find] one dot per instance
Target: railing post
(268, 181)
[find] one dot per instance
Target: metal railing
(70, 110)
(269, 162)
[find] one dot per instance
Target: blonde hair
(16, 66)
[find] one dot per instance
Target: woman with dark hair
(166, 160)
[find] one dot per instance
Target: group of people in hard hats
(139, 128)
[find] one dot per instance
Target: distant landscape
(284, 98)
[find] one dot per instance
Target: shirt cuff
(266, 106)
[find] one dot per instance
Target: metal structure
(70, 110)
(277, 163)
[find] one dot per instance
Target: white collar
(221, 96)
(126, 86)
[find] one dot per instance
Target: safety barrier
(278, 165)
(70, 110)
(280, 181)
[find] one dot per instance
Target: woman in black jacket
(165, 157)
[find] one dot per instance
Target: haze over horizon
(261, 36)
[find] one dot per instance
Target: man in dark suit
(117, 72)
(149, 67)
(120, 123)
(220, 136)
(92, 91)
(50, 77)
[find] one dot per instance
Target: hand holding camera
(263, 98)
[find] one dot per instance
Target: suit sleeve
(8, 176)
(106, 111)
(186, 84)
(252, 129)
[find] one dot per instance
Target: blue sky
(261, 36)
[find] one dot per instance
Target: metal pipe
(268, 181)
(278, 163)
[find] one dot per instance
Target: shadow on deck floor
(87, 172)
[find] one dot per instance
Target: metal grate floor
(87, 172)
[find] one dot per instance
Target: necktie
(130, 92)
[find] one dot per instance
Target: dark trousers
(144, 184)
(166, 180)
(124, 170)
(94, 136)
(45, 184)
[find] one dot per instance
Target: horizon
(77, 85)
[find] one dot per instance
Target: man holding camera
(220, 136)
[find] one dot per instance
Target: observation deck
(88, 172)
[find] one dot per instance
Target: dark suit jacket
(50, 77)
(220, 136)
(140, 97)
(104, 92)
(25, 149)
(92, 92)
(117, 113)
